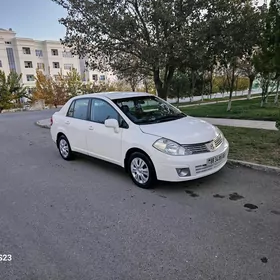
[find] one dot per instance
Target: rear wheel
(141, 170)
(64, 148)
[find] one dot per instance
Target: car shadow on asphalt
(104, 165)
(166, 187)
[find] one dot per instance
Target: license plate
(215, 159)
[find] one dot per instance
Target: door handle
(90, 128)
(67, 122)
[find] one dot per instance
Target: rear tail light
(51, 121)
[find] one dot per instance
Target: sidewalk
(268, 125)
(214, 96)
(46, 123)
(218, 101)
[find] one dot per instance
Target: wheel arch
(59, 134)
(134, 150)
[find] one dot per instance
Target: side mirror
(113, 124)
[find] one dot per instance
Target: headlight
(220, 132)
(171, 148)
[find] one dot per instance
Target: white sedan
(151, 139)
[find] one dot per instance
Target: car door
(76, 124)
(104, 142)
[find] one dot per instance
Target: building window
(41, 66)
(26, 50)
(102, 78)
(55, 64)
(56, 77)
(8, 43)
(39, 53)
(28, 64)
(30, 78)
(94, 77)
(67, 54)
(54, 52)
(68, 66)
(11, 59)
(1, 63)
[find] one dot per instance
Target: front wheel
(141, 170)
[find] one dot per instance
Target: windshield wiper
(170, 117)
(146, 122)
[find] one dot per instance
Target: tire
(141, 170)
(64, 148)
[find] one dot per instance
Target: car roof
(116, 94)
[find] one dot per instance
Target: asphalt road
(85, 220)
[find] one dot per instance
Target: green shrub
(278, 124)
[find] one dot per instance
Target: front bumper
(166, 165)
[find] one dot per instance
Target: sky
(36, 19)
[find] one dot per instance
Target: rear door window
(79, 109)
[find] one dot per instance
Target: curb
(42, 125)
(256, 166)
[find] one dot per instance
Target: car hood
(187, 130)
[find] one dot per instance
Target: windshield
(148, 110)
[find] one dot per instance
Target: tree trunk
(265, 87)
(163, 87)
(193, 85)
(277, 92)
(263, 95)
(231, 88)
(211, 81)
(250, 88)
(236, 87)
(159, 87)
(146, 86)
(229, 105)
(203, 86)
(162, 93)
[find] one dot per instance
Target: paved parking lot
(85, 219)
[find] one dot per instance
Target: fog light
(183, 172)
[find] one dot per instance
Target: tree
(179, 85)
(247, 68)
(265, 57)
(44, 88)
(60, 90)
(157, 33)
(264, 67)
(149, 86)
(231, 29)
(73, 83)
(129, 69)
(243, 16)
(11, 89)
(273, 25)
